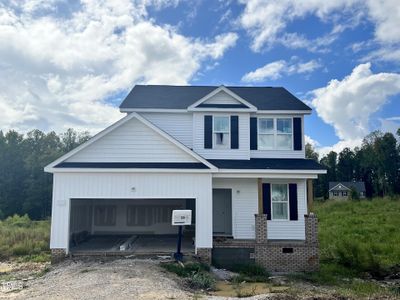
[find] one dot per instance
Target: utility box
(181, 217)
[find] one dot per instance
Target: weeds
(22, 237)
(196, 274)
(360, 236)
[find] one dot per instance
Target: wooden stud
(310, 195)
(260, 196)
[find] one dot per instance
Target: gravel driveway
(111, 279)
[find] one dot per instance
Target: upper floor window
(221, 132)
(275, 134)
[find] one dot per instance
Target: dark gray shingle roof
(267, 163)
(180, 97)
(358, 185)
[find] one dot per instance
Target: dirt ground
(108, 279)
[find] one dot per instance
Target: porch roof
(267, 164)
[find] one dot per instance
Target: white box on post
(181, 217)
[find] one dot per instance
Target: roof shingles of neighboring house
(181, 97)
(358, 185)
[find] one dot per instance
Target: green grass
(25, 239)
(358, 240)
(360, 236)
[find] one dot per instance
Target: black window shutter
(297, 135)
(293, 202)
(208, 128)
(266, 190)
(234, 132)
(253, 133)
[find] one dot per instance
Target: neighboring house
(342, 189)
(234, 155)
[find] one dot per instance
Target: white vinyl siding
(244, 204)
(286, 229)
(177, 125)
(110, 186)
(244, 138)
(222, 98)
(275, 153)
(132, 142)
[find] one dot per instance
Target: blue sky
(69, 64)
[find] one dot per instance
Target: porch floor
(142, 245)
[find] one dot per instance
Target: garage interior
(128, 226)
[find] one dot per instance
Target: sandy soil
(112, 279)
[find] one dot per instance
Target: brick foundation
(57, 255)
(280, 256)
(204, 254)
(287, 256)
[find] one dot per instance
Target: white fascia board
(50, 168)
(155, 110)
(216, 109)
(229, 92)
(264, 175)
(128, 170)
(288, 112)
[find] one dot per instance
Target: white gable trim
(339, 184)
(222, 88)
(50, 168)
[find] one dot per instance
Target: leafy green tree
(345, 165)
(310, 152)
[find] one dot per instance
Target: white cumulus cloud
(266, 21)
(348, 104)
(277, 69)
(58, 63)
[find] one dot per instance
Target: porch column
(204, 223)
(260, 196)
(310, 195)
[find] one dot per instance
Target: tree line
(376, 162)
(24, 187)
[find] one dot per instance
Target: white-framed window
(105, 215)
(221, 131)
(335, 194)
(279, 202)
(344, 193)
(284, 134)
(266, 132)
(275, 134)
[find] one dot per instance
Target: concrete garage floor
(142, 245)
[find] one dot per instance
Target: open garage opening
(128, 226)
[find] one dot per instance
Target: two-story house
(233, 155)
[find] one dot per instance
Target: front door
(222, 211)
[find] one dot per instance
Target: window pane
(265, 141)
(279, 192)
(266, 125)
(221, 139)
(284, 141)
(279, 211)
(284, 125)
(221, 124)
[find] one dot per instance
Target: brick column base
(204, 254)
(287, 256)
(57, 255)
